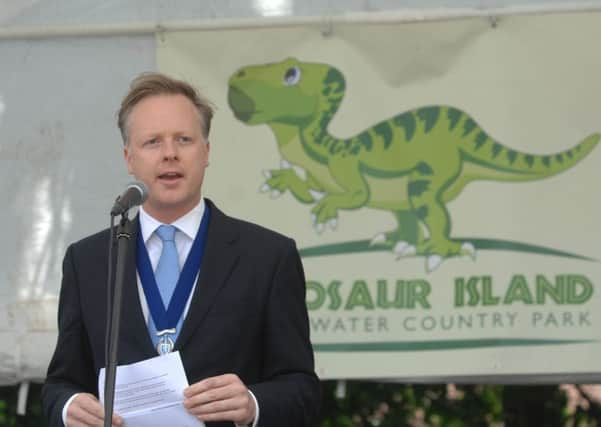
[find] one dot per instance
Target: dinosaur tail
(517, 166)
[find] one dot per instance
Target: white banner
(439, 179)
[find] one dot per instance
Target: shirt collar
(188, 224)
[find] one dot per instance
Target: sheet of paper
(151, 392)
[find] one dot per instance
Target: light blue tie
(166, 274)
(167, 271)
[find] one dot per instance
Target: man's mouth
(170, 176)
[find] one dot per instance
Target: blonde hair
(153, 84)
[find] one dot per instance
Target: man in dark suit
(242, 329)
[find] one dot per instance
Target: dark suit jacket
(247, 316)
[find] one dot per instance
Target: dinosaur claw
(284, 164)
(468, 249)
(433, 262)
(410, 251)
(267, 174)
(400, 247)
(404, 249)
(319, 228)
(333, 223)
(313, 219)
(317, 195)
(378, 238)
(275, 194)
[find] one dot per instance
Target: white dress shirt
(186, 228)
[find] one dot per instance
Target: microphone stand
(123, 240)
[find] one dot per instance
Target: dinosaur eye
(292, 76)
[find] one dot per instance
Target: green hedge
(367, 404)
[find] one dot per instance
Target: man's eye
(151, 142)
(184, 139)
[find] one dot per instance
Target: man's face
(167, 151)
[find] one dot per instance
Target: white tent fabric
(61, 169)
(18, 13)
(60, 160)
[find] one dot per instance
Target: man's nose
(169, 149)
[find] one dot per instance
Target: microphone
(135, 194)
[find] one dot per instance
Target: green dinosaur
(411, 164)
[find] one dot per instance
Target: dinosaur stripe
(355, 147)
(379, 173)
(338, 145)
(468, 126)
(422, 212)
(496, 149)
(454, 115)
(529, 159)
(511, 156)
(407, 122)
(335, 80)
(384, 130)
(335, 146)
(480, 139)
(424, 169)
(319, 133)
(365, 140)
(429, 115)
(418, 187)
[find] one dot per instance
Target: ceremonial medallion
(165, 344)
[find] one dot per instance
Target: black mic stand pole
(123, 240)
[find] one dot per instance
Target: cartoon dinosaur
(411, 164)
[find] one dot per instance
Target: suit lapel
(219, 260)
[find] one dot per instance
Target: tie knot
(166, 232)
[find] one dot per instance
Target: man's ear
(127, 156)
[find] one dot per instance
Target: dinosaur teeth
(265, 188)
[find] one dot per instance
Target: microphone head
(135, 194)
(142, 188)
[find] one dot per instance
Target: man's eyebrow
(149, 134)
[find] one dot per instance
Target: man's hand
(221, 398)
(86, 411)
